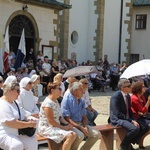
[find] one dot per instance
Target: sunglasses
(1, 81)
(85, 83)
(128, 86)
(29, 82)
(17, 90)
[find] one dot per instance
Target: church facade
(82, 30)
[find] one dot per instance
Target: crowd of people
(108, 75)
(65, 123)
(66, 115)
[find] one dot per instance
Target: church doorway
(15, 30)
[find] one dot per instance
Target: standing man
(73, 110)
(47, 70)
(121, 115)
(114, 71)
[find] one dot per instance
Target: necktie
(127, 106)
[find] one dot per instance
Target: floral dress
(45, 128)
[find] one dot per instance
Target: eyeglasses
(85, 83)
(1, 81)
(17, 90)
(128, 86)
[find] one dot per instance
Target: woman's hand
(66, 127)
(32, 123)
(35, 115)
(70, 126)
(148, 99)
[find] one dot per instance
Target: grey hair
(74, 86)
(10, 86)
(122, 82)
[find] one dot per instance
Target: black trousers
(134, 133)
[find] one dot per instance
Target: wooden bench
(42, 140)
(107, 136)
(51, 144)
(121, 133)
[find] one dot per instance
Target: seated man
(121, 115)
(73, 110)
(90, 111)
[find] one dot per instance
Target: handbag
(29, 131)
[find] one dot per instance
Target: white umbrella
(80, 70)
(139, 68)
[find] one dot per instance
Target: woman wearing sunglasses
(10, 123)
(51, 123)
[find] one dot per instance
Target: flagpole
(21, 53)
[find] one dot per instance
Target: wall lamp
(25, 8)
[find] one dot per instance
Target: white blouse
(8, 112)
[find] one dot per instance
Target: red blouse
(138, 105)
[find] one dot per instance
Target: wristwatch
(64, 124)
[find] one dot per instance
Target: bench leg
(141, 141)
(54, 145)
(120, 134)
(107, 139)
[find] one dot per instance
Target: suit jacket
(118, 109)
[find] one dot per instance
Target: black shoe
(94, 124)
(131, 147)
(123, 147)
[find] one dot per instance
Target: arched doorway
(15, 29)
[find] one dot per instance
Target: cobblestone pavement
(100, 102)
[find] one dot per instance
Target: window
(74, 37)
(141, 21)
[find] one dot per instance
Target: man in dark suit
(121, 115)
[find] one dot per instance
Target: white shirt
(86, 98)
(62, 88)
(47, 68)
(8, 112)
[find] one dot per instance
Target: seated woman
(26, 99)
(36, 80)
(58, 79)
(101, 82)
(50, 119)
(139, 106)
(9, 123)
(10, 79)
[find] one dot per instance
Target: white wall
(111, 30)
(140, 39)
(83, 20)
(125, 34)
